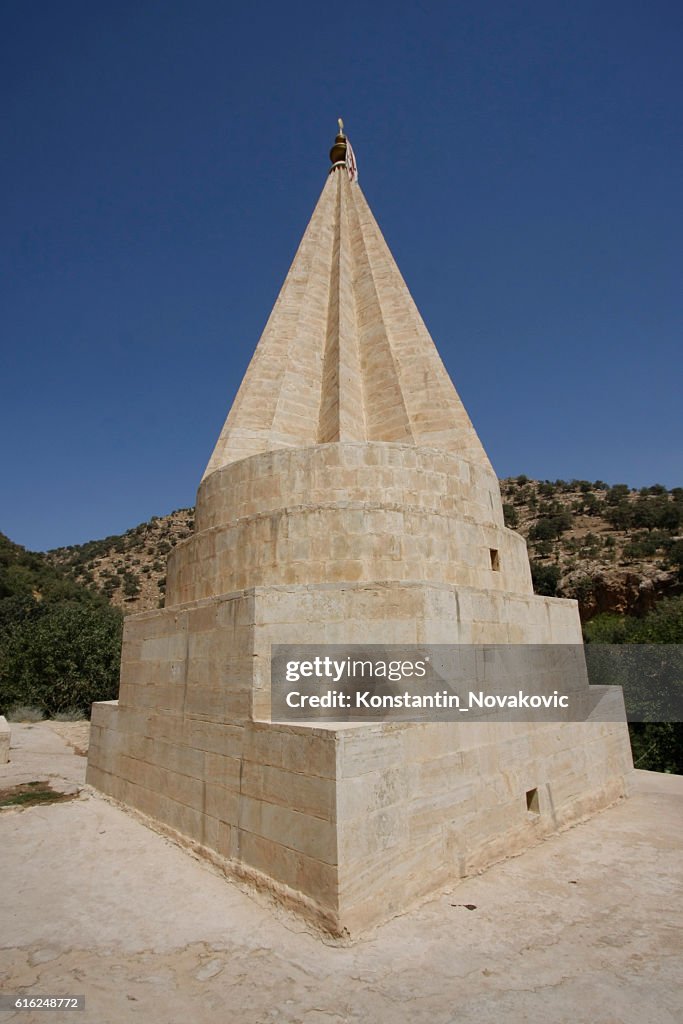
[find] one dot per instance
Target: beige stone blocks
(345, 355)
(331, 473)
(348, 501)
(337, 817)
(347, 512)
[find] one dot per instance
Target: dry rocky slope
(611, 548)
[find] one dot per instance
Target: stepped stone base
(348, 501)
(350, 823)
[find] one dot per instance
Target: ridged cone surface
(345, 355)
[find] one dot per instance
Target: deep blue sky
(161, 161)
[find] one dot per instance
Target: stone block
(5, 736)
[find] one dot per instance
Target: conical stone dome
(347, 455)
(345, 355)
(348, 502)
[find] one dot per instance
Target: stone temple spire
(345, 354)
(348, 502)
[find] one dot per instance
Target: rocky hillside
(130, 569)
(611, 548)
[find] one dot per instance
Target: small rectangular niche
(532, 801)
(495, 559)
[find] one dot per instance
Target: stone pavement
(584, 928)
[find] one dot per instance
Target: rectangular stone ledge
(307, 750)
(5, 736)
(106, 707)
(529, 604)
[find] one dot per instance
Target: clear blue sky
(161, 161)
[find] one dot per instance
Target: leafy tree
(675, 557)
(544, 548)
(591, 505)
(608, 628)
(545, 579)
(619, 515)
(66, 657)
(60, 644)
(656, 746)
(510, 515)
(617, 493)
(550, 527)
(641, 547)
(662, 625)
(131, 587)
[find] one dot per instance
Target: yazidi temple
(348, 500)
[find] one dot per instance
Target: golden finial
(338, 151)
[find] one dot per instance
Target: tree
(619, 515)
(656, 746)
(510, 515)
(675, 557)
(617, 493)
(66, 657)
(60, 644)
(545, 579)
(591, 505)
(550, 527)
(131, 586)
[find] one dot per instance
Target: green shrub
(656, 746)
(550, 527)
(65, 658)
(510, 515)
(545, 579)
(131, 586)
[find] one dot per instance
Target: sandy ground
(583, 929)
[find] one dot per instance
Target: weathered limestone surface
(348, 511)
(348, 501)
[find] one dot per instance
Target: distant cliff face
(611, 548)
